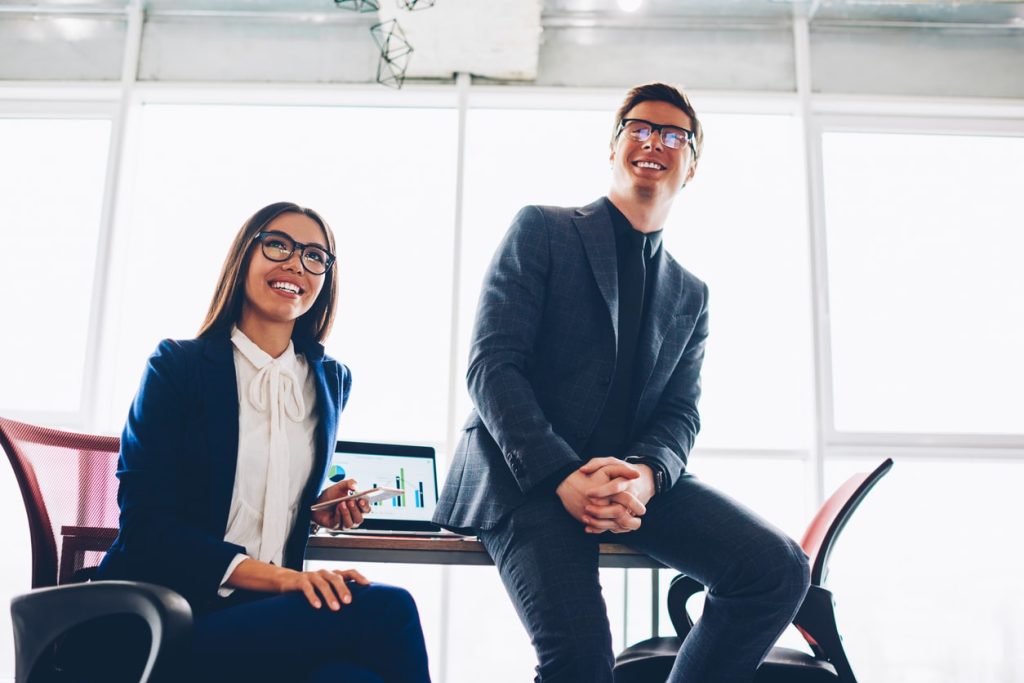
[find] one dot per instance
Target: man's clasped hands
(607, 494)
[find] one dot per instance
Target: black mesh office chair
(651, 660)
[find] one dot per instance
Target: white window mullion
(91, 390)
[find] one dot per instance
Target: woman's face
(270, 287)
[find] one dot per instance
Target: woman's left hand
(347, 514)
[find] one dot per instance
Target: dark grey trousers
(756, 575)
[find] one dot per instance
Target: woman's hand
(322, 586)
(318, 587)
(347, 514)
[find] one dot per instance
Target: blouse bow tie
(279, 389)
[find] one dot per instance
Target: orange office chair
(652, 659)
(69, 489)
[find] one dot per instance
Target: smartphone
(370, 495)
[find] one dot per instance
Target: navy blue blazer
(177, 466)
(544, 353)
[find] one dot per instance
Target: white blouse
(276, 443)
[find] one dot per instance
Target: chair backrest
(824, 529)
(66, 479)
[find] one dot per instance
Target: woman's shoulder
(336, 369)
(343, 372)
(182, 348)
(183, 358)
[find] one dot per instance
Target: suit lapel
(220, 398)
(594, 225)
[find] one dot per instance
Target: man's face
(649, 168)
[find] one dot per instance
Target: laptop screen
(410, 468)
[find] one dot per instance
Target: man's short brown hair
(661, 92)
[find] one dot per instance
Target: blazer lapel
(598, 236)
(327, 393)
(220, 399)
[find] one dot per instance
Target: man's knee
(775, 570)
(783, 570)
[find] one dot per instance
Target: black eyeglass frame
(658, 128)
(302, 247)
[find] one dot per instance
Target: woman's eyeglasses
(277, 246)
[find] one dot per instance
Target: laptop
(410, 468)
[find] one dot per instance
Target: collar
(257, 356)
(623, 228)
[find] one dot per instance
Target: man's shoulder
(561, 213)
(688, 279)
(687, 275)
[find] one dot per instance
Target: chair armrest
(679, 591)
(41, 616)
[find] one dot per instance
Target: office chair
(69, 490)
(652, 659)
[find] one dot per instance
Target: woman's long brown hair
(228, 297)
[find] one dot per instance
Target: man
(585, 375)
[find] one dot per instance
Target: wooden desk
(328, 547)
(419, 550)
(413, 550)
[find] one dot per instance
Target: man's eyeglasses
(672, 137)
(277, 246)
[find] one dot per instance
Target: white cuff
(224, 591)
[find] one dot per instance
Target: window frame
(71, 103)
(926, 118)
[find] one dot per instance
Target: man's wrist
(558, 477)
(657, 471)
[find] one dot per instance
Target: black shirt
(611, 434)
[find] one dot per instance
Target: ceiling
(1009, 12)
(505, 39)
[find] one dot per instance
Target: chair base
(651, 660)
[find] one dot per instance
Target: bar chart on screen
(414, 475)
(401, 501)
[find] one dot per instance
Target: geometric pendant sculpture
(413, 5)
(358, 5)
(394, 53)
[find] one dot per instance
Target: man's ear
(691, 172)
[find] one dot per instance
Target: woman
(223, 453)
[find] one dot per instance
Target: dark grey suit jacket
(543, 357)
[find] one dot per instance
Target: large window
(926, 313)
(922, 320)
(52, 173)
(926, 287)
(739, 225)
(931, 558)
(382, 178)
